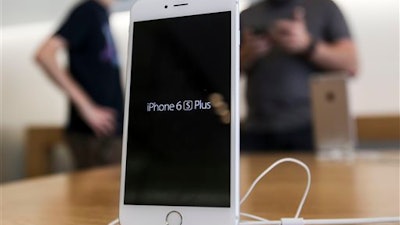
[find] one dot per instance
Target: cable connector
(292, 221)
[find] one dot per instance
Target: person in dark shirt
(285, 42)
(92, 83)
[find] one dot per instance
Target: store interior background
(28, 98)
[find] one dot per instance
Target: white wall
(28, 11)
(375, 27)
(29, 98)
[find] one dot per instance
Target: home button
(174, 218)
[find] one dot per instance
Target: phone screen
(179, 128)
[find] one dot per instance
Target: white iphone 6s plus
(180, 163)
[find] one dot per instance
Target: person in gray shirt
(283, 43)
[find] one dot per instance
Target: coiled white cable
(296, 220)
(263, 174)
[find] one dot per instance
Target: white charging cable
(296, 220)
(300, 221)
(114, 222)
(263, 174)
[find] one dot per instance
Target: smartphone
(180, 163)
(333, 124)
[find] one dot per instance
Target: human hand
(292, 35)
(100, 119)
(252, 48)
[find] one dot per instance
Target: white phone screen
(179, 129)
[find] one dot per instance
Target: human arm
(100, 119)
(339, 55)
(294, 38)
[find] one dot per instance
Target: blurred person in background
(284, 42)
(92, 83)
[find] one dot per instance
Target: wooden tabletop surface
(367, 187)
